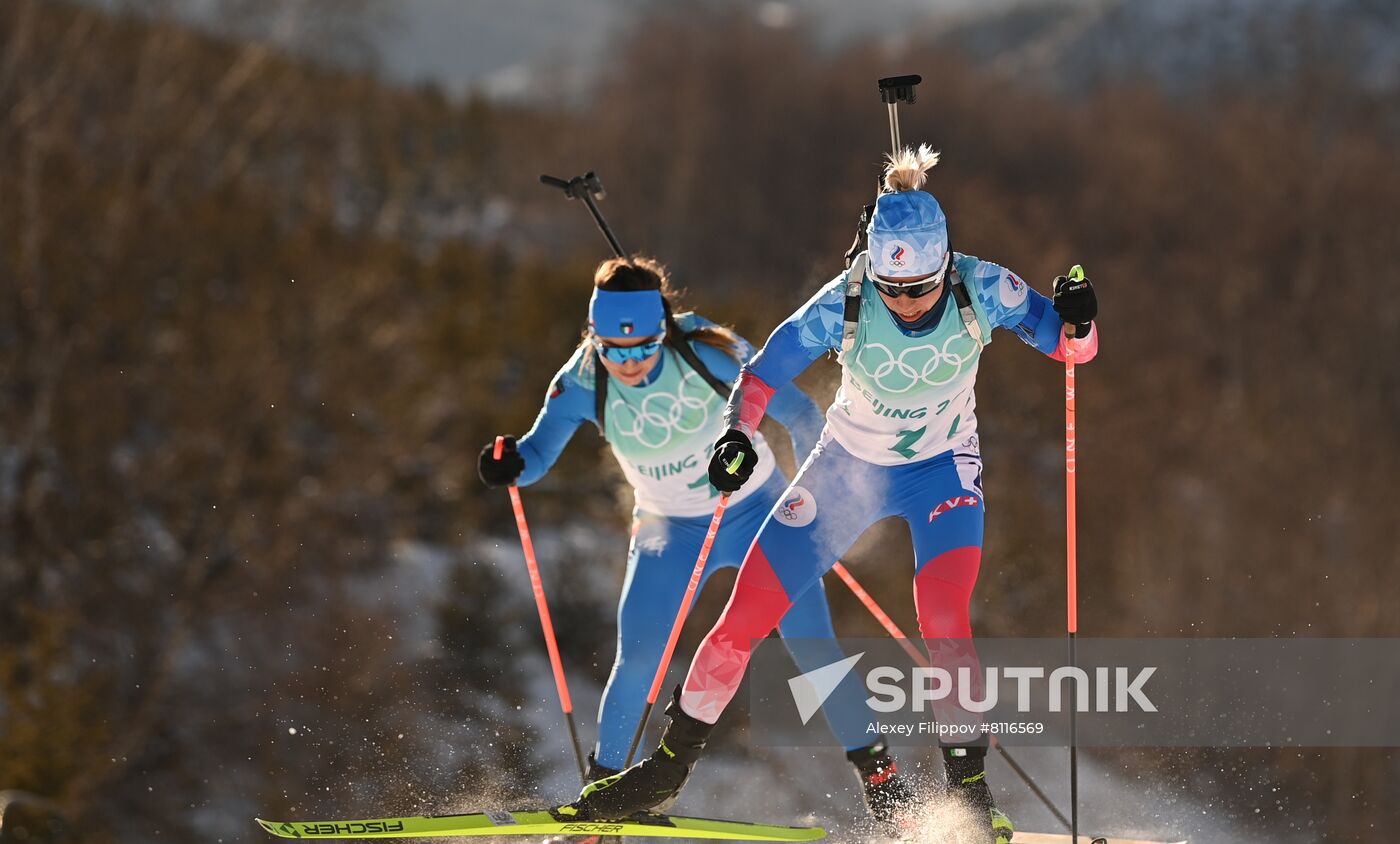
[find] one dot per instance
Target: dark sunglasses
(912, 289)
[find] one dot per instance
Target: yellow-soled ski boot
(595, 772)
(967, 780)
(1001, 826)
(653, 784)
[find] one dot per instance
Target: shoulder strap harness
(857, 258)
(964, 302)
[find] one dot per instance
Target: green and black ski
(540, 823)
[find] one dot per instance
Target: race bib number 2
(904, 444)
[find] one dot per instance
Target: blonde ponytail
(907, 169)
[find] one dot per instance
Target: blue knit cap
(908, 235)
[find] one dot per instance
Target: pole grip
(1076, 273)
(733, 465)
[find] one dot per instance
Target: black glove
(1076, 303)
(731, 445)
(502, 472)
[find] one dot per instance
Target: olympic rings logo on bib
(662, 415)
(927, 364)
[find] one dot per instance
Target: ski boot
(595, 772)
(887, 794)
(967, 780)
(653, 784)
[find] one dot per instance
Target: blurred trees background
(257, 316)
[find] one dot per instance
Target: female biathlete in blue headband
(900, 440)
(661, 416)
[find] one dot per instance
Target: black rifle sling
(687, 353)
(600, 394)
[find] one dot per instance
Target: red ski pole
(537, 585)
(1071, 567)
(681, 614)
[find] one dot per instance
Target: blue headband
(632, 313)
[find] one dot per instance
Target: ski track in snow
(808, 786)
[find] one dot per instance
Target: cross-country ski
(538, 823)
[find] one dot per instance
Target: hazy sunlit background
(272, 272)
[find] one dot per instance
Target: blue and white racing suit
(662, 433)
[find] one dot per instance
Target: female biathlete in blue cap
(661, 417)
(900, 440)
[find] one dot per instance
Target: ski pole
(588, 188)
(922, 661)
(681, 614)
(1072, 568)
(537, 585)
